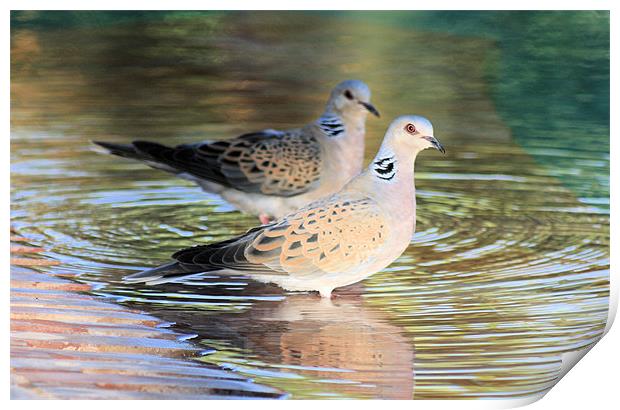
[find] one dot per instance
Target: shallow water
(509, 265)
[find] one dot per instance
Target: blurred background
(509, 267)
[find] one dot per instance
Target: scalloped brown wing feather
(326, 237)
(286, 164)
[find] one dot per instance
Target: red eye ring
(410, 128)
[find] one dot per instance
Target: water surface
(509, 266)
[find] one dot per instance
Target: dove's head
(351, 98)
(414, 133)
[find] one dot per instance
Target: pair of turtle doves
(325, 222)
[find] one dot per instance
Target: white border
(592, 383)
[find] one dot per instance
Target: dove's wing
(268, 162)
(328, 236)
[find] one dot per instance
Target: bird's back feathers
(268, 162)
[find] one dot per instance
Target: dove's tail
(164, 273)
(122, 150)
(222, 257)
(151, 153)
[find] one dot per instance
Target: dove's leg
(264, 219)
(326, 293)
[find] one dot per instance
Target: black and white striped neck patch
(331, 125)
(385, 168)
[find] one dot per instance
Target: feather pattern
(331, 125)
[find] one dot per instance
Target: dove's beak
(436, 144)
(370, 108)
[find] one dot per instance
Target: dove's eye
(348, 94)
(410, 128)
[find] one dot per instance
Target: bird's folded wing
(268, 162)
(328, 236)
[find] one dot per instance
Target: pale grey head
(351, 97)
(413, 132)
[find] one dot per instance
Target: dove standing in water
(332, 242)
(271, 173)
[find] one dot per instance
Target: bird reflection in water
(305, 344)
